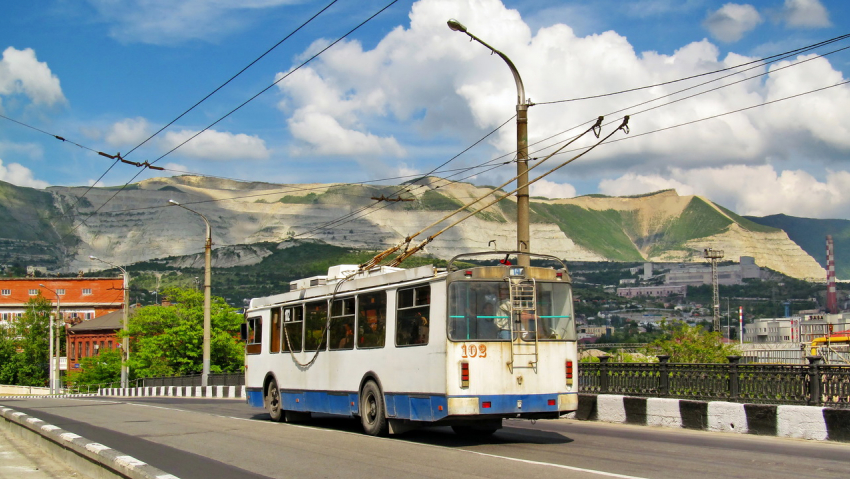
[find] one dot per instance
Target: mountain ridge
(137, 225)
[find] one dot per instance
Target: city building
(656, 291)
(80, 299)
(696, 274)
(91, 337)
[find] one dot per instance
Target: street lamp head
(456, 25)
(92, 257)
(43, 286)
(174, 202)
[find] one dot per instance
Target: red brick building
(90, 337)
(80, 298)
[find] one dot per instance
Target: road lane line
(508, 458)
(550, 464)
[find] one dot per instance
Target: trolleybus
(404, 348)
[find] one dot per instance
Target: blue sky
(403, 94)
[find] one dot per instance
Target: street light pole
(523, 234)
(125, 342)
(53, 369)
(207, 279)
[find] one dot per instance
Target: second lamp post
(207, 249)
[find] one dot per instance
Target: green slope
(598, 231)
(810, 234)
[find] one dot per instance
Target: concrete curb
(87, 457)
(219, 392)
(803, 422)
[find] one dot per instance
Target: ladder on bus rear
(523, 298)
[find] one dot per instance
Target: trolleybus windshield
(481, 310)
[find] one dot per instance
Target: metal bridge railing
(813, 384)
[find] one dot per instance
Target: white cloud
(427, 78)
(732, 21)
(325, 136)
(550, 189)
(20, 175)
(805, 14)
(749, 190)
(22, 74)
(216, 145)
(128, 132)
(164, 22)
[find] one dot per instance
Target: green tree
(100, 369)
(691, 344)
(28, 336)
(168, 340)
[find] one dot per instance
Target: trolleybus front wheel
(273, 404)
(372, 410)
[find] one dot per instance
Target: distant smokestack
(831, 298)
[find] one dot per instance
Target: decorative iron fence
(813, 384)
(223, 379)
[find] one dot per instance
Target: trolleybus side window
(255, 336)
(342, 324)
(371, 320)
(315, 336)
(274, 344)
(412, 316)
(293, 322)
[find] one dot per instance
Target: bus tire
(372, 411)
(273, 403)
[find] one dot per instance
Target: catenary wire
(236, 109)
(765, 60)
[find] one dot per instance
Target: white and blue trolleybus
(404, 348)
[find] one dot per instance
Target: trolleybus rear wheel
(372, 411)
(273, 404)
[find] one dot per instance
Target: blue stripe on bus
(416, 407)
(555, 316)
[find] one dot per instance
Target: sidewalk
(21, 460)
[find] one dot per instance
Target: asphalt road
(209, 438)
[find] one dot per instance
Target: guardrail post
(603, 374)
(814, 380)
(663, 375)
(734, 385)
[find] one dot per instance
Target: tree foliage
(24, 344)
(103, 368)
(168, 340)
(692, 344)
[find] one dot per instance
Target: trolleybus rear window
(482, 310)
(255, 336)
(274, 345)
(414, 309)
